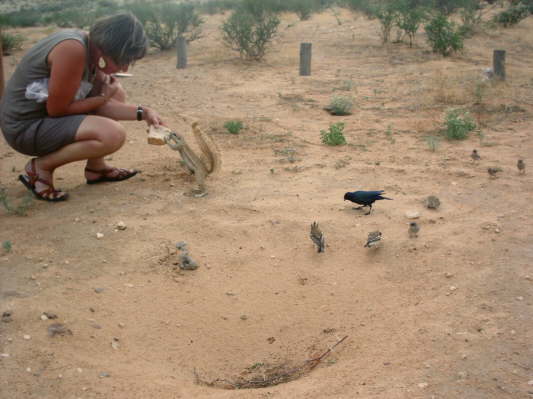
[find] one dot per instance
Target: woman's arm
(67, 62)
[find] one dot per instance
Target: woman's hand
(109, 87)
(152, 117)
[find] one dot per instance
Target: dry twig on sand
(270, 376)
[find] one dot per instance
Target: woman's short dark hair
(120, 37)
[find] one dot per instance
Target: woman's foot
(40, 183)
(108, 174)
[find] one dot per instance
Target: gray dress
(25, 123)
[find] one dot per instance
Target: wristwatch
(140, 112)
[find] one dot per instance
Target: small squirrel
(201, 166)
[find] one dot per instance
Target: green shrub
(303, 8)
(234, 127)
(340, 105)
(71, 18)
(20, 209)
(364, 6)
(249, 30)
(513, 15)
(459, 124)
(443, 36)
(164, 22)
(22, 19)
(386, 12)
(409, 18)
(334, 135)
(7, 246)
(11, 42)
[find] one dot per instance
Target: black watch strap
(140, 112)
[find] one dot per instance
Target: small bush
(459, 124)
(443, 35)
(303, 8)
(409, 19)
(7, 246)
(20, 209)
(234, 127)
(364, 6)
(249, 30)
(340, 105)
(334, 135)
(11, 42)
(22, 19)
(165, 22)
(513, 15)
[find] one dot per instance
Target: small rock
(50, 315)
(423, 385)
(99, 290)
(519, 298)
(104, 375)
(99, 235)
(26, 337)
(121, 225)
(453, 288)
(4, 355)
(530, 382)
(448, 275)
(244, 317)
(44, 317)
(412, 214)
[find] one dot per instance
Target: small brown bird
(475, 156)
(494, 171)
(317, 237)
(374, 239)
(521, 165)
(414, 228)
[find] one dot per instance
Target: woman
(72, 125)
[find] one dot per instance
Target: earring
(102, 64)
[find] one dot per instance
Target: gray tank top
(17, 112)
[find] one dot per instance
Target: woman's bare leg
(96, 137)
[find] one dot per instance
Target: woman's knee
(114, 138)
(107, 132)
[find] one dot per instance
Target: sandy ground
(444, 315)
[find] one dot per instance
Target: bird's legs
(370, 211)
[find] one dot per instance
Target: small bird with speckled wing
(521, 165)
(317, 237)
(373, 240)
(475, 156)
(414, 228)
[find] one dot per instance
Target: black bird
(365, 198)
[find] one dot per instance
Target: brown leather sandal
(49, 194)
(123, 174)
